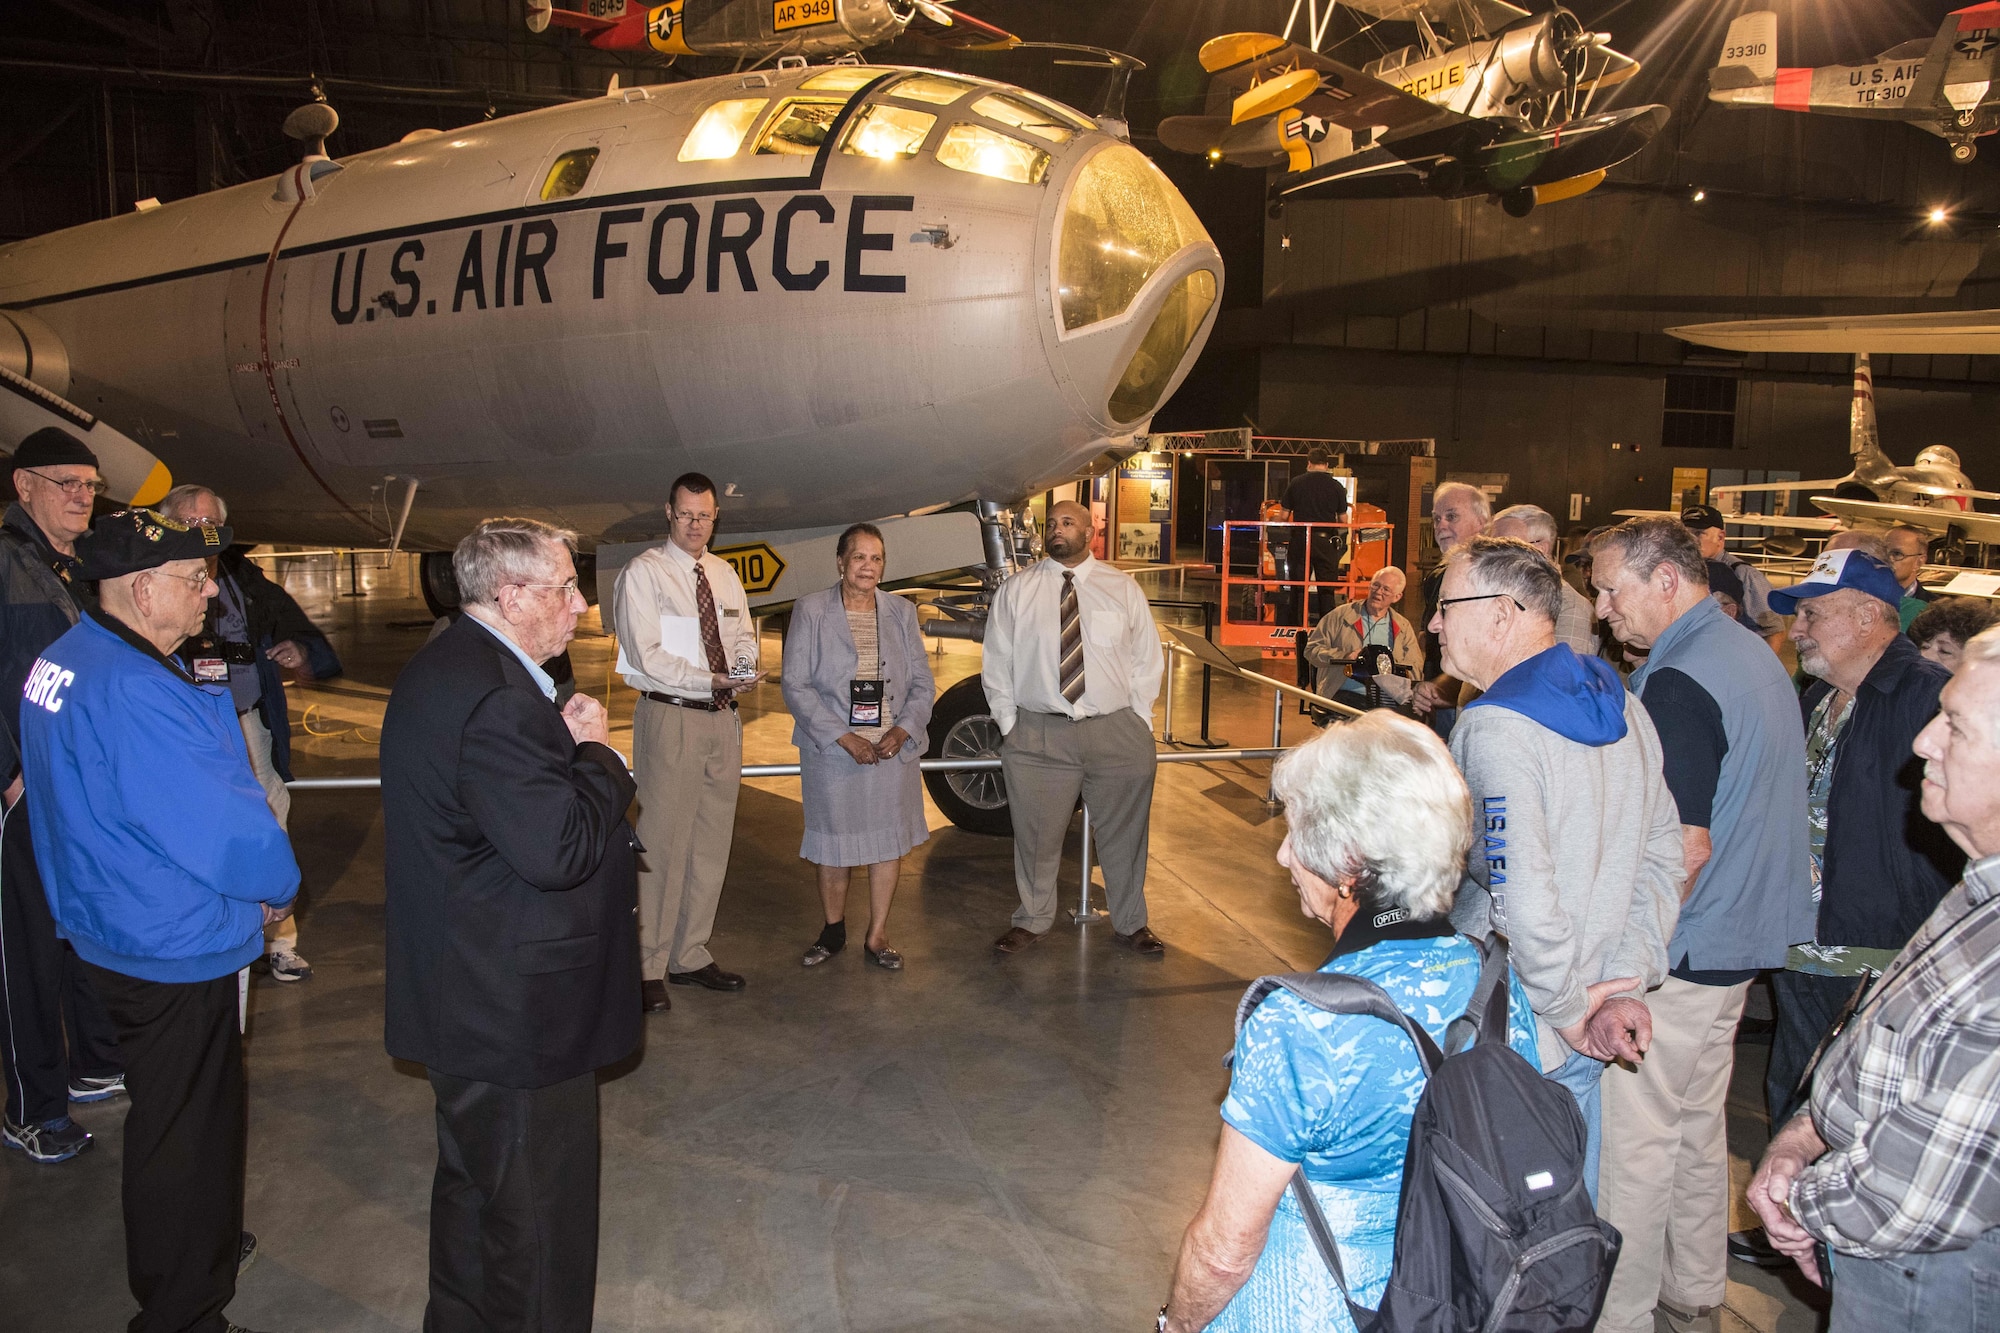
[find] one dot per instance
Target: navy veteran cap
(1835, 570)
(131, 540)
(1696, 517)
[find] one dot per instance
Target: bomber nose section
(1135, 284)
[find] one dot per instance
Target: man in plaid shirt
(1896, 1164)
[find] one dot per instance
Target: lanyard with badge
(864, 697)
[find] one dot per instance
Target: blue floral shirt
(1336, 1092)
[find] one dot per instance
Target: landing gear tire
(439, 584)
(962, 727)
(1518, 203)
(1965, 120)
(1962, 153)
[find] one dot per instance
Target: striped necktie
(711, 632)
(1070, 665)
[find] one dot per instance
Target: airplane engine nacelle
(1539, 55)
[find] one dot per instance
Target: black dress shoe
(653, 996)
(1142, 940)
(1752, 1247)
(713, 977)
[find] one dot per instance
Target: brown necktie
(1070, 665)
(711, 633)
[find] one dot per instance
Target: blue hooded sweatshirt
(1579, 698)
(155, 843)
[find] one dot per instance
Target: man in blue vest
(1735, 762)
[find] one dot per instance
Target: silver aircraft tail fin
(1751, 47)
(1862, 439)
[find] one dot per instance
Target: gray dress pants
(1049, 761)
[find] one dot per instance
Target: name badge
(864, 703)
(211, 670)
(731, 611)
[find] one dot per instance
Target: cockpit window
(799, 126)
(888, 132)
(720, 130)
(933, 88)
(986, 152)
(1013, 111)
(569, 173)
(841, 79)
(1057, 111)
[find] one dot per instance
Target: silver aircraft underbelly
(829, 336)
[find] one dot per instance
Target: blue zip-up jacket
(154, 840)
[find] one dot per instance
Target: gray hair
(1642, 545)
(1394, 572)
(1862, 539)
(501, 551)
(1539, 522)
(176, 501)
(1480, 504)
(1511, 566)
(1379, 799)
(1981, 647)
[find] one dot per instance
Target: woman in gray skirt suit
(860, 694)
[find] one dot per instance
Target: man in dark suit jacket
(513, 951)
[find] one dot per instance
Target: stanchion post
(1085, 913)
(1277, 743)
(1167, 723)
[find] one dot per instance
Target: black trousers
(43, 990)
(514, 1207)
(1807, 1006)
(184, 1139)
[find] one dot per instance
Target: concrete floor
(968, 1144)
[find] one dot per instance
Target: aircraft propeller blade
(933, 11)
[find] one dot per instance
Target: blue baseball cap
(1835, 570)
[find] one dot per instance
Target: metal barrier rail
(1082, 914)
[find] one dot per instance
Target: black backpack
(1495, 1231)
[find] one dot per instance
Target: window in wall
(1700, 412)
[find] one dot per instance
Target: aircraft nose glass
(1165, 343)
(1122, 221)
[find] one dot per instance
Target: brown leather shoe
(1015, 940)
(653, 996)
(1142, 940)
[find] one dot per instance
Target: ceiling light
(1937, 215)
(1700, 195)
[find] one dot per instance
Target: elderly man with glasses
(1578, 861)
(163, 864)
(43, 988)
(687, 644)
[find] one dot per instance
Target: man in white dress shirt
(1072, 666)
(687, 644)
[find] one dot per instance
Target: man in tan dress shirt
(687, 644)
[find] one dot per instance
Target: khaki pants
(1664, 1181)
(281, 936)
(1049, 761)
(688, 765)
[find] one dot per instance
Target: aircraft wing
(1345, 96)
(1824, 487)
(1776, 522)
(1979, 527)
(1463, 20)
(131, 471)
(572, 18)
(1947, 332)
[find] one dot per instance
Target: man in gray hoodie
(1579, 859)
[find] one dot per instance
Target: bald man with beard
(1071, 668)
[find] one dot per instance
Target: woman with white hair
(1380, 824)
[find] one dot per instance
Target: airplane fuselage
(909, 302)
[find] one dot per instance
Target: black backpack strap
(1338, 993)
(1485, 1015)
(1364, 1318)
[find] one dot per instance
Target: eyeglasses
(73, 488)
(568, 588)
(197, 581)
(1444, 602)
(693, 516)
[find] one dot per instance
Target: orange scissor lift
(1267, 609)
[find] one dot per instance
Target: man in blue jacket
(162, 863)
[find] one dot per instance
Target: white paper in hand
(679, 635)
